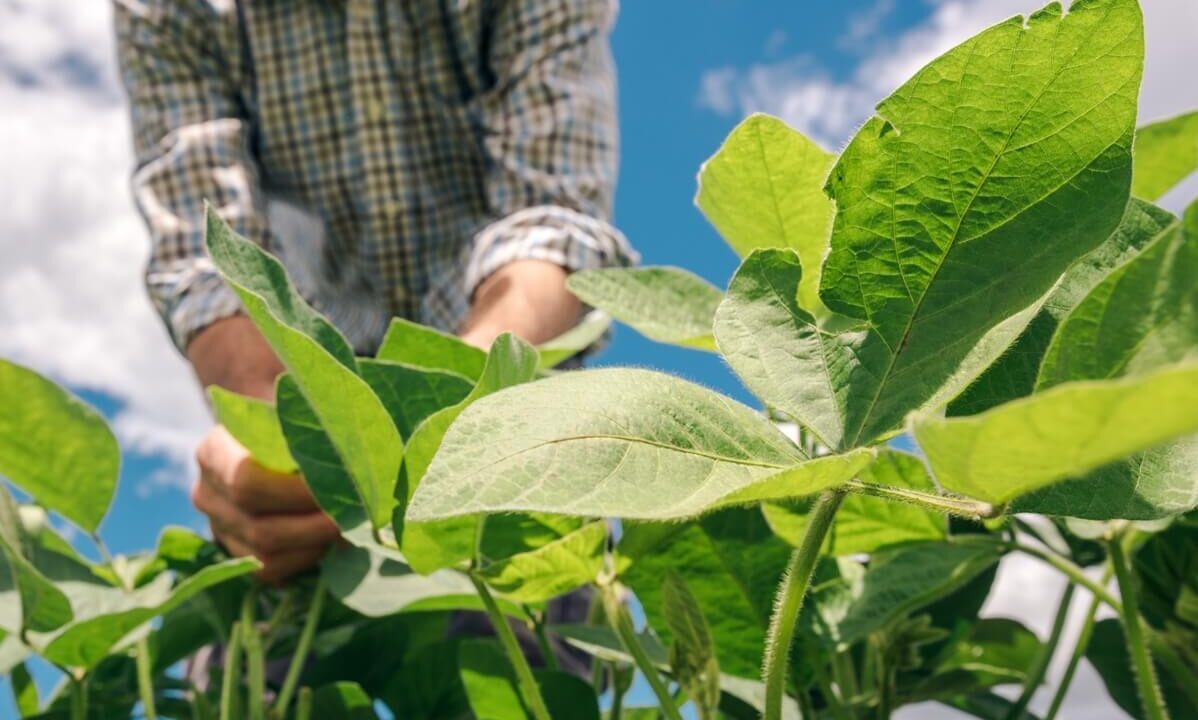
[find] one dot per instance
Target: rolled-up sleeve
(191, 138)
(551, 140)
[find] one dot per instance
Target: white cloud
(71, 244)
(805, 93)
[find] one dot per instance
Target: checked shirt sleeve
(551, 140)
(191, 140)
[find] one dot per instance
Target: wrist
(232, 353)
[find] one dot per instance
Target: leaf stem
(621, 622)
(300, 656)
(1137, 646)
(79, 697)
(255, 664)
(789, 600)
(145, 679)
(231, 677)
(537, 619)
(951, 505)
(1079, 651)
(529, 691)
(1075, 573)
(1039, 667)
(303, 706)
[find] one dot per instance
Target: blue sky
(71, 246)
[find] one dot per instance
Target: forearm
(232, 353)
(527, 298)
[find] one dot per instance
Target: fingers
(277, 567)
(230, 471)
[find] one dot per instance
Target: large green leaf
(730, 561)
(410, 393)
(58, 449)
(430, 546)
(255, 424)
(320, 362)
(1166, 153)
(1061, 433)
(1107, 652)
(990, 651)
(1166, 568)
(693, 660)
(42, 607)
(422, 346)
(491, 686)
(765, 188)
(616, 442)
(552, 569)
(906, 579)
(1141, 316)
(959, 206)
(1014, 374)
(377, 586)
(865, 524)
(666, 304)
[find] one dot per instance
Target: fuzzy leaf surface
(666, 304)
(421, 346)
(551, 569)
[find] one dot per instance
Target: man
(458, 156)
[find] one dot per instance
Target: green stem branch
(300, 656)
(789, 600)
(255, 663)
(1141, 659)
(1079, 651)
(79, 698)
(1039, 668)
(529, 691)
(621, 622)
(959, 506)
(232, 675)
(145, 679)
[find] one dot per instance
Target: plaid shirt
(429, 142)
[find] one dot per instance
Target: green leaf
(320, 362)
(692, 654)
(865, 524)
(491, 686)
(43, 607)
(575, 340)
(1014, 374)
(1166, 567)
(1107, 652)
(764, 188)
(425, 347)
(377, 586)
(323, 471)
(56, 448)
(1063, 432)
(410, 393)
(959, 206)
(666, 304)
(731, 563)
(552, 569)
(993, 651)
(616, 442)
(343, 700)
(907, 579)
(1166, 153)
(87, 640)
(24, 692)
(430, 546)
(255, 424)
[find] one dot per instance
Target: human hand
(258, 512)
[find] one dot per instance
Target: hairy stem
(789, 600)
(255, 663)
(1079, 651)
(145, 680)
(231, 677)
(1035, 674)
(959, 506)
(1137, 646)
(529, 691)
(621, 622)
(301, 650)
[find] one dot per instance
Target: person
(457, 160)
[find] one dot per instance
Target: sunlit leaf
(255, 424)
(666, 304)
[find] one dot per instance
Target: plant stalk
(298, 658)
(303, 706)
(1039, 668)
(1137, 646)
(231, 677)
(621, 622)
(145, 679)
(1075, 573)
(1079, 651)
(789, 600)
(537, 619)
(529, 691)
(255, 663)
(959, 506)
(79, 698)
